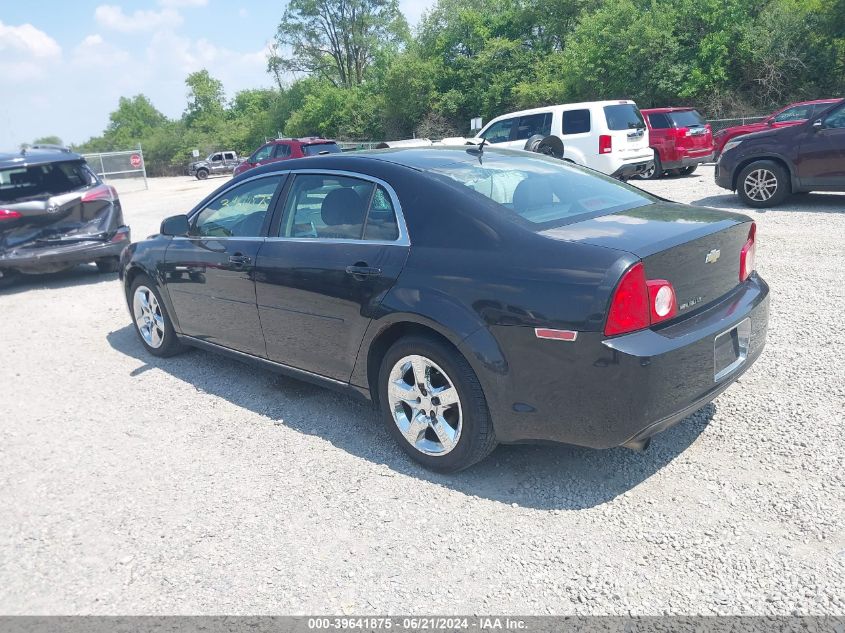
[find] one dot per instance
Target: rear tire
(202, 174)
(686, 171)
(151, 321)
(8, 277)
(433, 405)
(763, 183)
(108, 264)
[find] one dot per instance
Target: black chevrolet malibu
(477, 296)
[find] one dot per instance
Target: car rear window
(321, 148)
(543, 191)
(687, 118)
(33, 181)
(623, 116)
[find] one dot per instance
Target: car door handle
(362, 271)
(239, 260)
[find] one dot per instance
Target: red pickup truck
(680, 139)
(792, 114)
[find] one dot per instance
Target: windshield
(624, 116)
(25, 182)
(543, 191)
(321, 148)
(686, 118)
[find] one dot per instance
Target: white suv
(608, 136)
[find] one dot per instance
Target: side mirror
(770, 122)
(817, 124)
(175, 225)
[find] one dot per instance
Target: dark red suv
(792, 114)
(285, 148)
(680, 138)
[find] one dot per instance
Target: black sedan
(477, 296)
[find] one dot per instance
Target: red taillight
(8, 214)
(629, 309)
(605, 144)
(100, 192)
(681, 132)
(746, 255)
(638, 303)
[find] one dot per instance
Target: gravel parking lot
(131, 484)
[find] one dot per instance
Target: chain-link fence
(721, 124)
(125, 170)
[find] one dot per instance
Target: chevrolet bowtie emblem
(712, 256)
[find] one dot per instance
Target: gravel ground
(131, 484)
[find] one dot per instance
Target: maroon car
(286, 148)
(790, 115)
(680, 138)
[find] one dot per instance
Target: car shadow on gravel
(82, 275)
(549, 477)
(805, 203)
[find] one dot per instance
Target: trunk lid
(697, 250)
(626, 127)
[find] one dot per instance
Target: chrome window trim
(403, 239)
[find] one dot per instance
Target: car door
(661, 137)
(210, 275)
(262, 155)
(229, 160)
(499, 133)
(337, 246)
(216, 163)
(821, 159)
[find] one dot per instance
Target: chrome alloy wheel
(760, 185)
(148, 317)
(425, 405)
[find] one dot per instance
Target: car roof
(30, 157)
(813, 102)
(305, 140)
(581, 105)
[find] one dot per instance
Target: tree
(131, 122)
(336, 40)
(48, 140)
(206, 100)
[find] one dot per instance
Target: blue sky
(65, 63)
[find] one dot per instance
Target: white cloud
(95, 51)
(112, 17)
(183, 3)
(28, 41)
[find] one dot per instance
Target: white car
(608, 136)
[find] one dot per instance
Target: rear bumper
(629, 170)
(689, 160)
(47, 258)
(602, 393)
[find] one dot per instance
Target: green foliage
(365, 78)
(48, 140)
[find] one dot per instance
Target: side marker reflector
(556, 335)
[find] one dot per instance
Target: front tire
(202, 174)
(152, 322)
(763, 183)
(433, 405)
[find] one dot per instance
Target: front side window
(544, 192)
(836, 119)
(499, 132)
(576, 121)
(262, 153)
(798, 113)
(324, 206)
(216, 158)
(532, 124)
(239, 212)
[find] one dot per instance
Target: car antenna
(478, 150)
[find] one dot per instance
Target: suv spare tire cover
(551, 146)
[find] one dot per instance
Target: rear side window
(659, 121)
(687, 118)
(19, 183)
(543, 192)
(576, 121)
(532, 124)
(338, 207)
(623, 116)
(321, 148)
(499, 132)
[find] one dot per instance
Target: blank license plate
(730, 349)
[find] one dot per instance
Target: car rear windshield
(686, 118)
(543, 191)
(34, 181)
(321, 148)
(624, 116)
